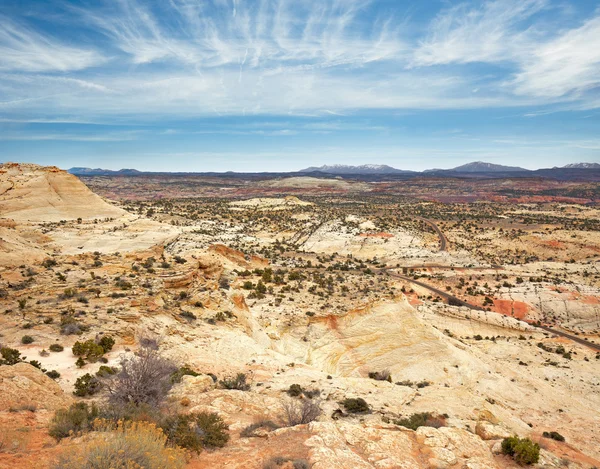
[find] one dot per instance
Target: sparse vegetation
(124, 445)
(355, 405)
(523, 450)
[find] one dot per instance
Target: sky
(280, 85)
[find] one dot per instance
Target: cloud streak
(24, 49)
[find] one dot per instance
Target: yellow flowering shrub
(124, 445)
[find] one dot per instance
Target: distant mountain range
(482, 167)
(370, 171)
(362, 169)
(102, 172)
(583, 166)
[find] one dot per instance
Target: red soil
(554, 244)
(516, 309)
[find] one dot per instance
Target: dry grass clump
(124, 445)
(300, 412)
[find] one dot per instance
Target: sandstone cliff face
(35, 193)
(45, 210)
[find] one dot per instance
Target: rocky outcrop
(23, 385)
(29, 192)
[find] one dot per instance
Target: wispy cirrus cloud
(267, 33)
(489, 32)
(25, 49)
(321, 68)
(569, 63)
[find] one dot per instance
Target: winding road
(443, 239)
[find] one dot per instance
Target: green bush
(176, 376)
(295, 390)
(10, 356)
(105, 371)
(554, 435)
(196, 431)
(56, 348)
(238, 382)
(27, 339)
(89, 350)
(523, 450)
(53, 374)
(422, 419)
(355, 405)
(107, 343)
(76, 419)
(86, 385)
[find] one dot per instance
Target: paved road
(443, 240)
(574, 338)
(458, 301)
(455, 300)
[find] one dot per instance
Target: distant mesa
(102, 172)
(483, 167)
(362, 169)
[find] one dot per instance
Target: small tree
(523, 450)
(145, 378)
(297, 412)
(86, 385)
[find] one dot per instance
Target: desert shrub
(27, 339)
(37, 364)
(278, 461)
(144, 378)
(76, 419)
(56, 348)
(47, 263)
(89, 350)
(149, 342)
(53, 374)
(355, 405)
(10, 356)
(80, 362)
(127, 445)
(383, 375)
(105, 371)
(250, 430)
(554, 435)
(420, 419)
(295, 390)
(107, 343)
(188, 315)
(300, 412)
(87, 385)
(71, 326)
(196, 431)
(238, 382)
(177, 375)
(523, 450)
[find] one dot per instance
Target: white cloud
(270, 34)
(567, 64)
(23, 49)
(491, 32)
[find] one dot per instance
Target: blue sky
(277, 85)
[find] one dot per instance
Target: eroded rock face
(354, 344)
(345, 444)
(24, 385)
(30, 192)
